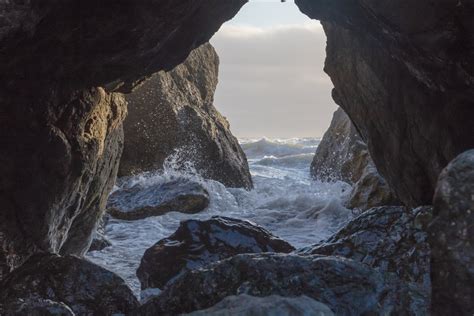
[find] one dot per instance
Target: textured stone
(83, 286)
(345, 286)
(343, 156)
(172, 113)
(452, 238)
(142, 200)
(273, 305)
(406, 82)
(198, 243)
(387, 239)
(35, 307)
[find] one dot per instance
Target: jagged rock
(406, 82)
(342, 155)
(347, 287)
(452, 238)
(84, 287)
(387, 239)
(174, 111)
(36, 307)
(198, 243)
(273, 305)
(61, 133)
(141, 201)
(99, 242)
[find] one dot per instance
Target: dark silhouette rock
(246, 305)
(174, 111)
(36, 307)
(452, 238)
(84, 287)
(387, 239)
(406, 82)
(198, 243)
(343, 156)
(347, 287)
(61, 63)
(141, 201)
(99, 242)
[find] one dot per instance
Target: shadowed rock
(84, 287)
(172, 113)
(35, 307)
(246, 305)
(342, 155)
(198, 243)
(142, 201)
(452, 238)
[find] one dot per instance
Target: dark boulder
(347, 287)
(406, 82)
(452, 238)
(99, 242)
(342, 155)
(35, 307)
(84, 287)
(246, 305)
(198, 243)
(142, 200)
(172, 113)
(387, 239)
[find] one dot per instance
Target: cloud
(271, 80)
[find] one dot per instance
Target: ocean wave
(255, 149)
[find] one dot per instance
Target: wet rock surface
(451, 238)
(35, 307)
(342, 155)
(138, 201)
(246, 305)
(388, 239)
(172, 113)
(198, 243)
(84, 287)
(99, 242)
(347, 287)
(405, 82)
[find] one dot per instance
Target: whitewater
(285, 200)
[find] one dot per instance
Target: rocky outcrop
(343, 156)
(35, 307)
(406, 83)
(452, 238)
(83, 287)
(246, 305)
(172, 113)
(347, 287)
(61, 123)
(198, 243)
(389, 239)
(142, 200)
(99, 242)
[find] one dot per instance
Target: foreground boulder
(390, 240)
(174, 111)
(342, 155)
(246, 305)
(141, 201)
(35, 307)
(452, 238)
(198, 243)
(82, 286)
(347, 287)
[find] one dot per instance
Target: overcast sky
(271, 80)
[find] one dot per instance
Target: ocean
(285, 200)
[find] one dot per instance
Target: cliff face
(61, 66)
(174, 111)
(403, 72)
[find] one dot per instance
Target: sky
(271, 78)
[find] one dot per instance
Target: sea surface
(285, 201)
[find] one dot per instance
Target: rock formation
(174, 111)
(198, 243)
(342, 155)
(347, 287)
(60, 120)
(141, 201)
(406, 82)
(84, 287)
(452, 238)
